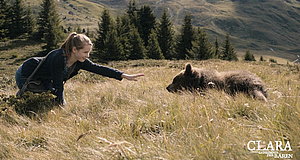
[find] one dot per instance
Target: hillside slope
(268, 27)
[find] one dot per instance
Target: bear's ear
(188, 69)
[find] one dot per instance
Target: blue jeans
(20, 80)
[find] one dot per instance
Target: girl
(64, 63)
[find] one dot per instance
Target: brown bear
(231, 82)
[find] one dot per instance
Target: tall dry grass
(108, 119)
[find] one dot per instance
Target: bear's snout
(170, 88)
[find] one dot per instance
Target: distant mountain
(268, 26)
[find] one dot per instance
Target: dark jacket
(53, 72)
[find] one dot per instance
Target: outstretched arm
(88, 65)
(132, 77)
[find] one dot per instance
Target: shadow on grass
(17, 43)
(38, 54)
(20, 44)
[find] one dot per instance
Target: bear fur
(232, 82)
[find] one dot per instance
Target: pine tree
(51, 38)
(49, 29)
(89, 33)
(185, 40)
(261, 58)
(166, 36)
(18, 24)
(4, 19)
(43, 21)
(228, 52)
(153, 49)
(217, 52)
(201, 46)
(118, 25)
(29, 22)
(113, 49)
(147, 22)
(132, 13)
(137, 49)
(249, 56)
(104, 27)
(123, 27)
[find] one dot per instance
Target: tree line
(17, 21)
(137, 34)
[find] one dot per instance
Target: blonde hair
(75, 40)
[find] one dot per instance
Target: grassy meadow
(110, 119)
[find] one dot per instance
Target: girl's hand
(132, 77)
